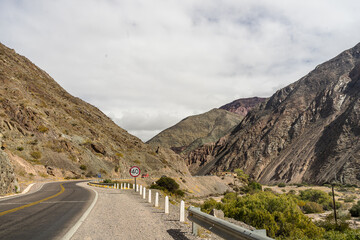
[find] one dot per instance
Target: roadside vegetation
(283, 215)
(169, 186)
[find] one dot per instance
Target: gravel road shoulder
(124, 214)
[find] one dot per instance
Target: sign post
(134, 172)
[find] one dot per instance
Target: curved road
(46, 214)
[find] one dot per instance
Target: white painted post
(149, 196)
(137, 187)
(121, 187)
(144, 193)
(133, 186)
(156, 199)
(128, 185)
(182, 211)
(140, 190)
(167, 205)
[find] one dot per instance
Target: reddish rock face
(306, 132)
(243, 105)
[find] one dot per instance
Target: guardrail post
(140, 190)
(167, 205)
(156, 199)
(195, 229)
(182, 211)
(144, 193)
(149, 196)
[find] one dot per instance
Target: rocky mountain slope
(306, 132)
(195, 131)
(243, 105)
(47, 133)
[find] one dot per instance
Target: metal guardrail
(223, 228)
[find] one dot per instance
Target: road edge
(73, 230)
(26, 191)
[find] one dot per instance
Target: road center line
(33, 203)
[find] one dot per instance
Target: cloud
(151, 63)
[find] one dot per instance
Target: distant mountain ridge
(204, 129)
(306, 132)
(243, 105)
(194, 131)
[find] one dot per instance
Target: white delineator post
(156, 199)
(140, 190)
(182, 211)
(149, 196)
(133, 186)
(128, 185)
(137, 187)
(144, 193)
(167, 204)
(121, 186)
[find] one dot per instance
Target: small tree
(355, 210)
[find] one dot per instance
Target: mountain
(306, 132)
(243, 105)
(47, 133)
(194, 131)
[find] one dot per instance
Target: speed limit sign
(134, 171)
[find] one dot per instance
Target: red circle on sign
(134, 171)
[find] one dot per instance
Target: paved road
(45, 214)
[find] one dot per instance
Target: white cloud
(159, 61)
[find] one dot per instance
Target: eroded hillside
(306, 132)
(46, 132)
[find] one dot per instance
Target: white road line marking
(73, 230)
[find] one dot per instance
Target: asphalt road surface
(46, 214)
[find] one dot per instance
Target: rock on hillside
(306, 132)
(46, 132)
(243, 105)
(7, 177)
(197, 130)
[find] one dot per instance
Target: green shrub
(35, 155)
(243, 177)
(350, 198)
(229, 197)
(107, 181)
(312, 207)
(83, 167)
(20, 149)
(252, 187)
(355, 210)
(320, 197)
(42, 129)
(278, 214)
(281, 185)
(209, 205)
(168, 183)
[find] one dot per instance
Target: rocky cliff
(7, 177)
(306, 132)
(47, 133)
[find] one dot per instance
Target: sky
(149, 64)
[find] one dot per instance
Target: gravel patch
(124, 214)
